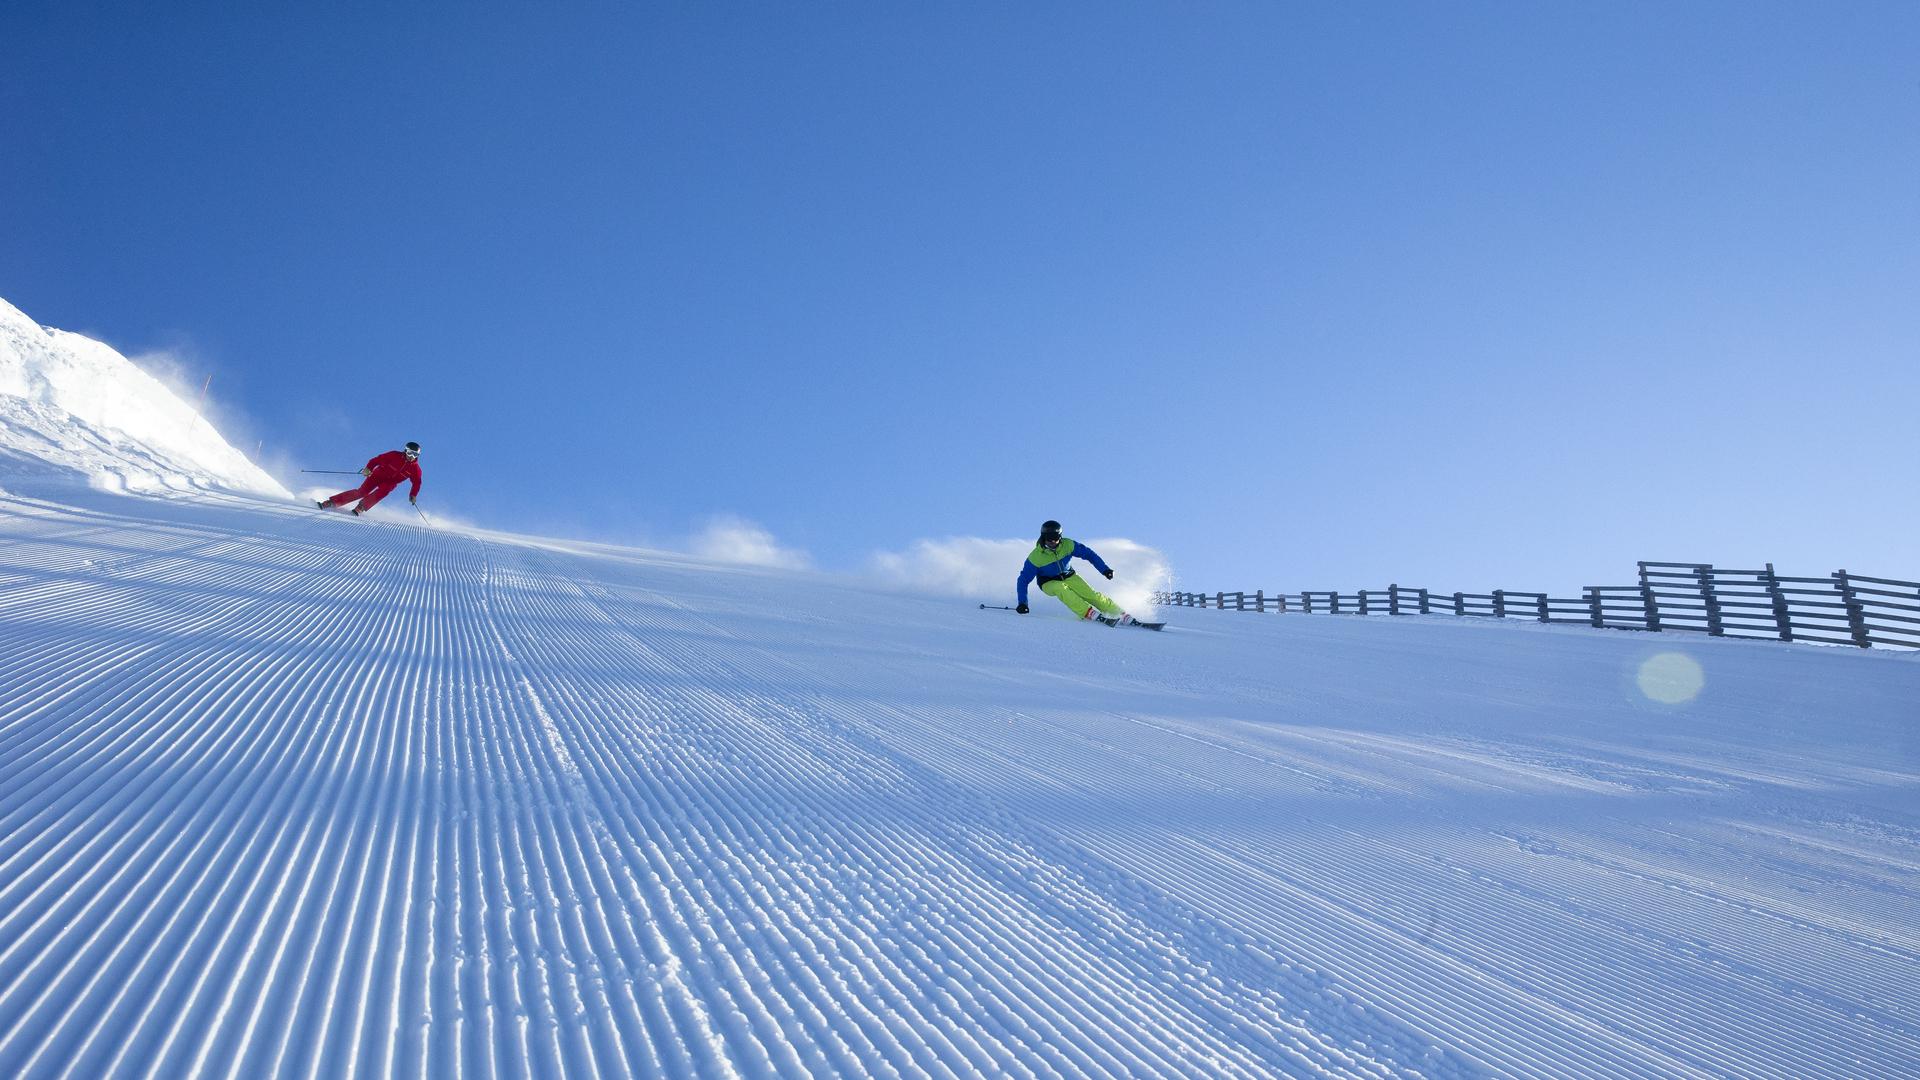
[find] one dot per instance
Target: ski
(1103, 620)
(1132, 622)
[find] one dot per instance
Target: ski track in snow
(283, 793)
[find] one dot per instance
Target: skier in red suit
(383, 474)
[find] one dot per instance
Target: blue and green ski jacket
(1052, 565)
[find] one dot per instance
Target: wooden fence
(1839, 609)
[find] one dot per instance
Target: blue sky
(1462, 295)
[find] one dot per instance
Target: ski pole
(334, 472)
(422, 513)
(997, 607)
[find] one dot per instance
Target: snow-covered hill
(73, 408)
(288, 793)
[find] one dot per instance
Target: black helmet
(413, 449)
(1050, 534)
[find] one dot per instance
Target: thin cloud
(745, 543)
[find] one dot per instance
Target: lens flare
(1671, 678)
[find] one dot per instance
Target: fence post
(1543, 608)
(1282, 597)
(1459, 603)
(1220, 601)
(1595, 608)
(1651, 602)
(1499, 603)
(1423, 602)
(1704, 575)
(1856, 614)
(1393, 599)
(1782, 615)
(1335, 597)
(1363, 603)
(1260, 600)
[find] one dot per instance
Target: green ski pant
(1078, 595)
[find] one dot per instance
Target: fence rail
(1839, 609)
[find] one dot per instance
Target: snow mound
(70, 406)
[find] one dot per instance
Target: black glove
(1109, 574)
(1022, 609)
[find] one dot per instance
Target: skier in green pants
(1050, 564)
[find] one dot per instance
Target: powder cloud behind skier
(383, 473)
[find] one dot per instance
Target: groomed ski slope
(284, 793)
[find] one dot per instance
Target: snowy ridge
(286, 793)
(72, 406)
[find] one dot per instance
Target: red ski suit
(384, 473)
